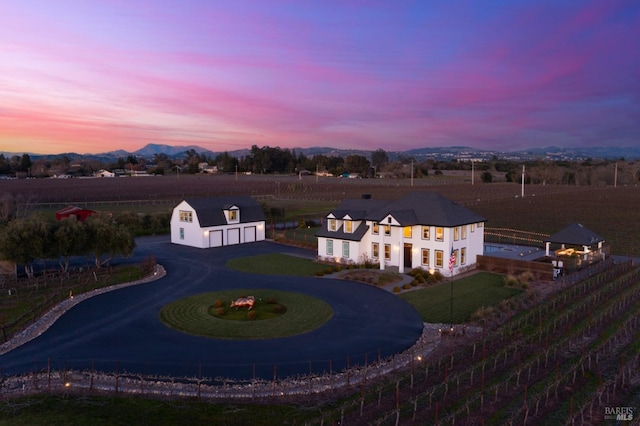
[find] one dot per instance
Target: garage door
(249, 234)
(233, 236)
(215, 238)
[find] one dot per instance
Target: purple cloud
(399, 75)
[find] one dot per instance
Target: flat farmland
(614, 213)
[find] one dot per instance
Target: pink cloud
(286, 74)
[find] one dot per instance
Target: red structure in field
(73, 211)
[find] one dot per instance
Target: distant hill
(151, 149)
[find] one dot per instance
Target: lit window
(473, 227)
(348, 226)
(464, 232)
(480, 224)
(439, 258)
(375, 250)
(439, 233)
(233, 215)
(387, 230)
(406, 231)
(387, 252)
(186, 216)
(463, 255)
(425, 257)
(376, 228)
(332, 224)
(455, 257)
(345, 249)
(329, 247)
(456, 233)
(425, 232)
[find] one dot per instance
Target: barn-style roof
(210, 211)
(575, 234)
(416, 208)
(74, 211)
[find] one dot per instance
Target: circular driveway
(120, 330)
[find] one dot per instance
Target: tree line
(379, 163)
(25, 240)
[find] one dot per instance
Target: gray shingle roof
(417, 208)
(575, 234)
(210, 211)
(356, 235)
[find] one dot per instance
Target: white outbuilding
(217, 221)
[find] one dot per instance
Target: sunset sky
(91, 76)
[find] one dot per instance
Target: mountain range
(452, 152)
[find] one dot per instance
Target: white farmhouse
(422, 230)
(217, 221)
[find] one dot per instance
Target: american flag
(452, 259)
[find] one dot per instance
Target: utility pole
(523, 181)
(473, 174)
(412, 172)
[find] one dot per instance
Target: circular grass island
(199, 315)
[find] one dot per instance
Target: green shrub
(406, 286)
(251, 315)
(218, 304)
(221, 312)
(483, 313)
(510, 281)
(328, 271)
(415, 282)
(396, 289)
(319, 273)
(526, 277)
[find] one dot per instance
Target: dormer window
(348, 226)
(376, 228)
(233, 215)
(332, 224)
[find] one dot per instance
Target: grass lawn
(276, 264)
(191, 315)
(469, 294)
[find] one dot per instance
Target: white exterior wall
(473, 243)
(192, 233)
(195, 236)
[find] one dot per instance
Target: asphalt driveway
(121, 330)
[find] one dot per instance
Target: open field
(610, 212)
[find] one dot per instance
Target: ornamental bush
(252, 315)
